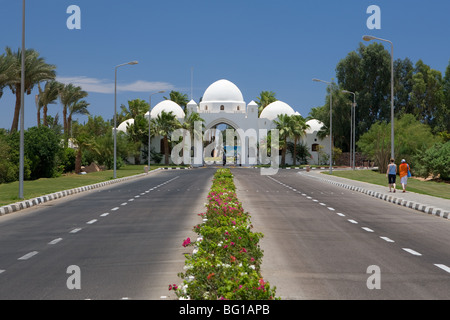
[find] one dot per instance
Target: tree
(265, 98)
(135, 107)
(69, 95)
(42, 145)
(434, 161)
(299, 127)
(137, 134)
(79, 107)
(411, 136)
(179, 98)
(47, 96)
(284, 125)
(189, 125)
(36, 70)
(163, 125)
(84, 140)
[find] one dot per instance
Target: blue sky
(257, 44)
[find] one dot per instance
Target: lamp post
(22, 108)
(352, 130)
(149, 118)
(331, 122)
(369, 38)
(115, 113)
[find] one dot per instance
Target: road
(320, 240)
(125, 239)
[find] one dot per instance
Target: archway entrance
(221, 144)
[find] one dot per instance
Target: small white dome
(167, 106)
(223, 91)
(276, 108)
(124, 125)
(314, 126)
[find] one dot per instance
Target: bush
(227, 260)
(42, 146)
(435, 161)
(9, 158)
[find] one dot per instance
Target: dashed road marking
(75, 230)
(340, 214)
(352, 221)
(367, 229)
(104, 214)
(55, 241)
(114, 209)
(28, 255)
(411, 251)
(387, 239)
(442, 266)
(91, 221)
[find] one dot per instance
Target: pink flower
(186, 242)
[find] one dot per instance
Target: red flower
(186, 242)
(210, 275)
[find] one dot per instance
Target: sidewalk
(432, 205)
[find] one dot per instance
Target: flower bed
(226, 261)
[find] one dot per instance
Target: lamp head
(133, 62)
(368, 38)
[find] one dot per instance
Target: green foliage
(228, 259)
(411, 136)
(42, 146)
(67, 160)
(434, 161)
(301, 152)
(265, 98)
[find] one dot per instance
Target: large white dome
(223, 91)
(314, 126)
(276, 108)
(167, 106)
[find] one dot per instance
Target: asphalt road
(125, 239)
(320, 241)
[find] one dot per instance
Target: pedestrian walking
(391, 173)
(404, 171)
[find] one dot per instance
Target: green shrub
(434, 161)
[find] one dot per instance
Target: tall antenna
(192, 83)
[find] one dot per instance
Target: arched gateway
(223, 105)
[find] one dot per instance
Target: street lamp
(369, 38)
(331, 122)
(115, 113)
(22, 109)
(149, 118)
(352, 130)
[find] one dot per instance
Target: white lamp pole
(369, 38)
(115, 113)
(22, 108)
(149, 118)
(352, 130)
(331, 122)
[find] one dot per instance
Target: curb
(60, 194)
(392, 199)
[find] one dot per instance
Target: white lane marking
(75, 230)
(124, 204)
(367, 229)
(331, 209)
(340, 214)
(125, 298)
(315, 200)
(91, 221)
(143, 194)
(138, 196)
(308, 198)
(114, 209)
(412, 251)
(442, 266)
(322, 204)
(352, 221)
(163, 297)
(55, 241)
(130, 200)
(1, 271)
(28, 255)
(104, 214)
(387, 239)
(303, 194)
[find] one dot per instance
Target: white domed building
(223, 106)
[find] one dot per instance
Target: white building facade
(223, 106)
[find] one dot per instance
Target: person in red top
(403, 170)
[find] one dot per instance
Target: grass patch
(432, 188)
(9, 192)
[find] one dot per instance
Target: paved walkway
(428, 204)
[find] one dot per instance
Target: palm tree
(284, 125)
(5, 72)
(47, 96)
(79, 107)
(299, 127)
(163, 125)
(189, 125)
(265, 98)
(135, 107)
(84, 140)
(69, 95)
(36, 70)
(179, 98)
